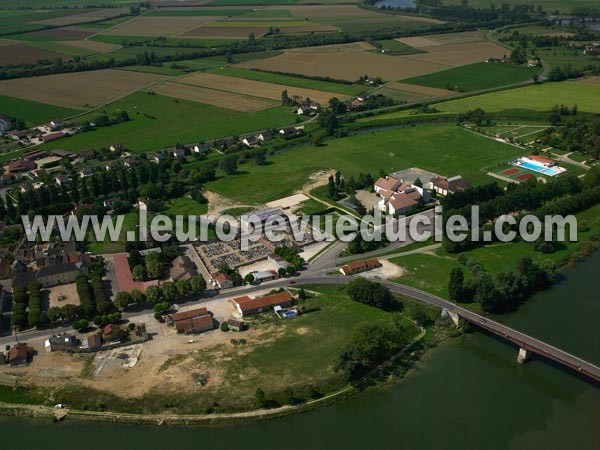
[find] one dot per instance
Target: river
(465, 394)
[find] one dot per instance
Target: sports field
(78, 89)
(444, 149)
(158, 121)
(253, 88)
(474, 77)
(537, 98)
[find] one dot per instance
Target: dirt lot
(68, 292)
(89, 16)
(254, 88)
(77, 90)
(17, 53)
(222, 99)
(589, 80)
(159, 25)
(224, 32)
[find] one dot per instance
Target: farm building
(52, 136)
(61, 343)
(19, 354)
(247, 306)
(194, 321)
(182, 269)
(34, 154)
(359, 266)
(21, 166)
(445, 186)
(223, 281)
(235, 325)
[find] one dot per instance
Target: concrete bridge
(527, 344)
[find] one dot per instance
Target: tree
(229, 164)
(282, 272)
(291, 270)
(535, 78)
(169, 291)
(154, 266)
(138, 297)
(261, 400)
(456, 284)
(302, 294)
(81, 325)
(224, 326)
(198, 284)
(139, 273)
(371, 293)
(184, 288)
(249, 278)
(153, 294)
(123, 299)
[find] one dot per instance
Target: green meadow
(158, 121)
(444, 149)
(33, 113)
(541, 97)
(474, 77)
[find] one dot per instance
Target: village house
(92, 343)
(201, 148)
(87, 154)
(193, 321)
(248, 306)
(5, 124)
(116, 148)
(236, 325)
(61, 343)
(359, 266)
(250, 141)
(179, 153)
(130, 162)
(62, 179)
(86, 172)
(110, 203)
(265, 136)
(19, 354)
(156, 157)
(302, 110)
(592, 49)
(182, 268)
(57, 124)
(109, 329)
(398, 197)
(445, 186)
(35, 174)
(53, 275)
(222, 280)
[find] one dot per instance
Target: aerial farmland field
(158, 26)
(254, 88)
(80, 89)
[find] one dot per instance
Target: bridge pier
(523, 356)
(452, 315)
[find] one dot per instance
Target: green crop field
(245, 2)
(163, 70)
(474, 77)
(33, 113)
(548, 5)
(395, 48)
(443, 149)
(197, 12)
(158, 122)
(268, 77)
(537, 98)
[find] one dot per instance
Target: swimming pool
(291, 313)
(539, 168)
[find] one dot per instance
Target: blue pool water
(539, 168)
(289, 314)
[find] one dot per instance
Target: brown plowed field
(79, 89)
(222, 99)
(88, 16)
(225, 32)
(17, 53)
(254, 88)
(159, 25)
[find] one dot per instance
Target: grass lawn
(158, 121)
(474, 77)
(33, 113)
(541, 97)
(99, 247)
(268, 77)
(443, 149)
(308, 345)
(427, 272)
(240, 210)
(184, 206)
